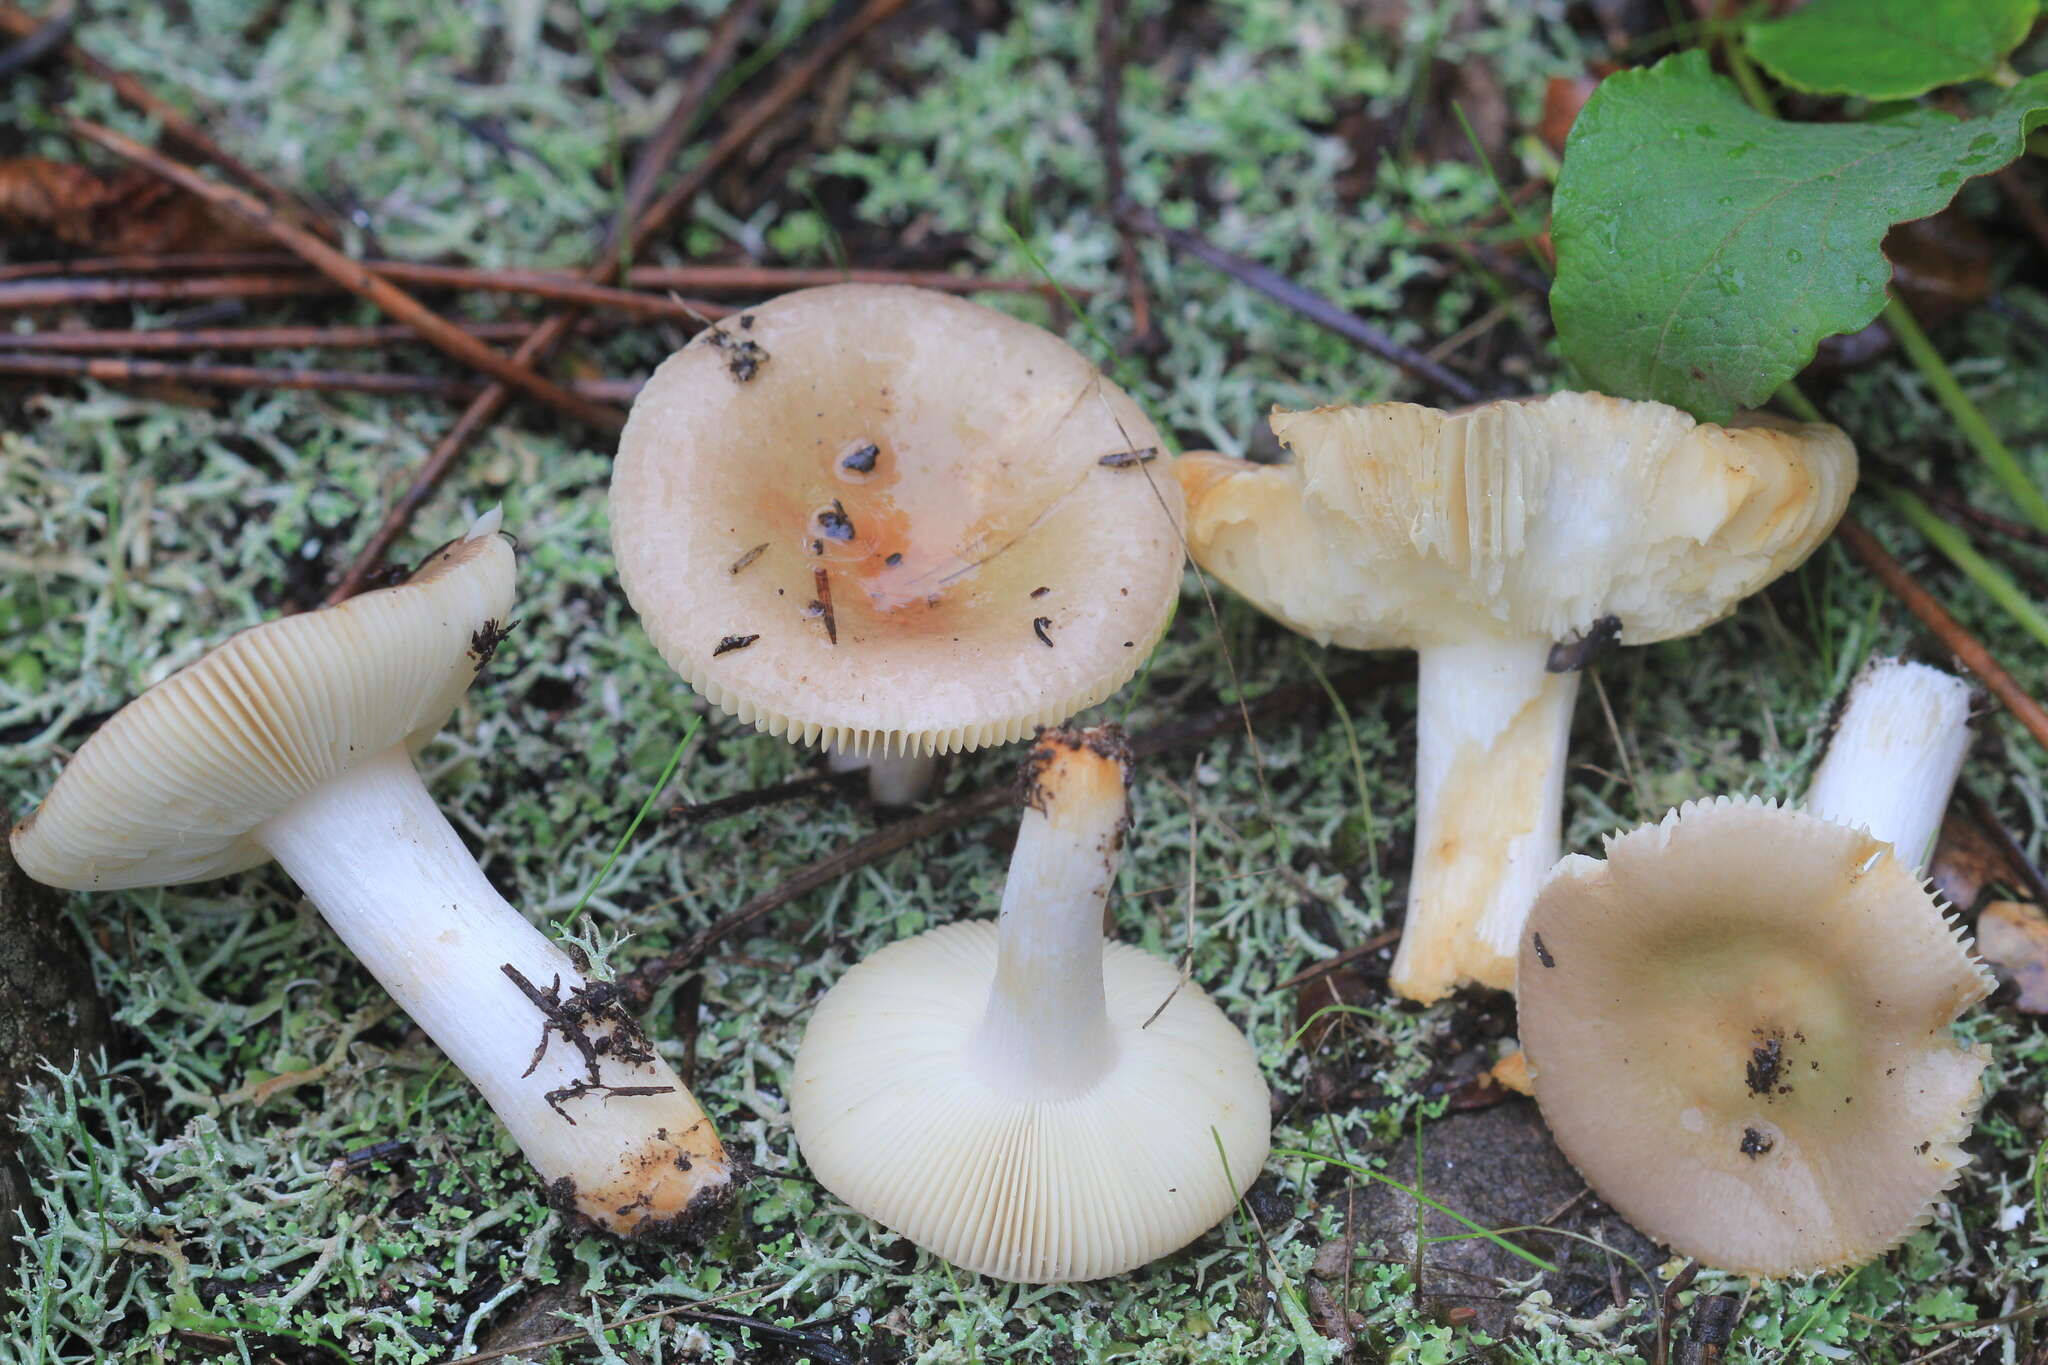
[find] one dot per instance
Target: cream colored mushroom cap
(990, 573)
(1396, 526)
(1738, 1030)
(170, 788)
(1033, 1191)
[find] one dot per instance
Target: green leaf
(1704, 249)
(1889, 49)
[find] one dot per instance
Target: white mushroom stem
(374, 853)
(1046, 1030)
(1895, 755)
(893, 780)
(1491, 729)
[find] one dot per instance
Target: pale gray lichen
(192, 1205)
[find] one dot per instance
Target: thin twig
(173, 339)
(1967, 649)
(813, 784)
(659, 152)
(547, 284)
(51, 33)
(1987, 818)
(1187, 952)
(151, 263)
(640, 984)
(1667, 1308)
(487, 405)
(122, 370)
(719, 279)
(1294, 700)
(715, 279)
(569, 1338)
(1333, 962)
(351, 275)
(1308, 303)
(18, 23)
(69, 293)
(23, 295)
(1109, 136)
(1951, 501)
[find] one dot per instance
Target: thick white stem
(1491, 730)
(1895, 755)
(1045, 1032)
(377, 857)
(896, 780)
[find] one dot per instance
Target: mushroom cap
(170, 789)
(1033, 1190)
(937, 467)
(1397, 526)
(1738, 1030)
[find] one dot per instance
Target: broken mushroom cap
(894, 522)
(1505, 543)
(1738, 1030)
(1012, 1095)
(294, 741)
(1398, 527)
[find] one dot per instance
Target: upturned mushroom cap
(979, 1089)
(1396, 525)
(894, 521)
(1738, 1030)
(1027, 1189)
(168, 790)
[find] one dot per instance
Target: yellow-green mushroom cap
(894, 522)
(1738, 1028)
(169, 789)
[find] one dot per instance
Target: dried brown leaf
(1941, 264)
(1345, 986)
(1968, 859)
(1563, 97)
(129, 213)
(2013, 937)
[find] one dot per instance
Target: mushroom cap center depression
(906, 543)
(1741, 1034)
(897, 531)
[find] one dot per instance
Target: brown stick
(1292, 700)
(560, 287)
(151, 263)
(242, 338)
(120, 370)
(1951, 501)
(563, 288)
(751, 122)
(79, 293)
(491, 401)
(19, 23)
(1986, 816)
(720, 279)
(1336, 960)
(352, 275)
(1109, 135)
(717, 279)
(1967, 649)
(659, 152)
(1306, 302)
(53, 33)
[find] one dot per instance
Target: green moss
(191, 1214)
